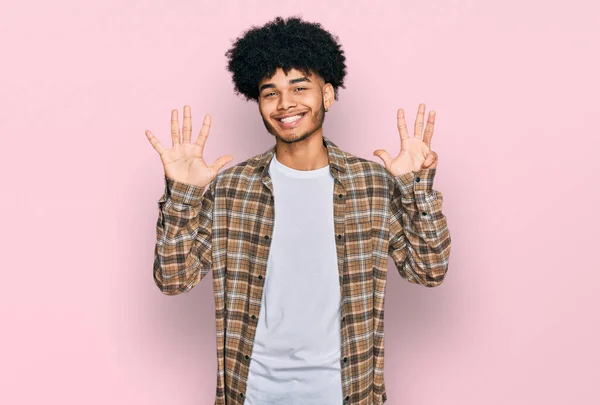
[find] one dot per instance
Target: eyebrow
(292, 81)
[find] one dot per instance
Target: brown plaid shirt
(228, 230)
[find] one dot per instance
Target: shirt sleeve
(182, 255)
(419, 236)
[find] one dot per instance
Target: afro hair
(284, 44)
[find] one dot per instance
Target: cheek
(316, 100)
(264, 111)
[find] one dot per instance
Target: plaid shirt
(228, 229)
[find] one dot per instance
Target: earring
(326, 109)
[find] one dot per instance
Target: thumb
(220, 162)
(383, 155)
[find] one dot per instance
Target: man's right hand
(184, 161)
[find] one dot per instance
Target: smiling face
(293, 106)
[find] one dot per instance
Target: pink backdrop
(515, 87)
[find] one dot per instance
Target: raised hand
(415, 152)
(184, 161)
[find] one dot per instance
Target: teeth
(287, 120)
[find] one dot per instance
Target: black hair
(285, 44)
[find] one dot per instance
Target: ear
(328, 95)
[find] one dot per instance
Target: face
(301, 98)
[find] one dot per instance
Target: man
(298, 237)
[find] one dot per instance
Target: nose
(285, 101)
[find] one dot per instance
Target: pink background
(515, 87)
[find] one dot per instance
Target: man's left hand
(415, 152)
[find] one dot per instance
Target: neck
(308, 154)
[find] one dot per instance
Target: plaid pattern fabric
(227, 228)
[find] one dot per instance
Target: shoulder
(242, 171)
(368, 169)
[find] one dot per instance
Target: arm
(419, 236)
(182, 255)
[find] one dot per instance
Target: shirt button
(246, 357)
(242, 394)
(340, 196)
(253, 316)
(345, 359)
(424, 213)
(339, 236)
(418, 179)
(347, 398)
(266, 236)
(260, 277)
(344, 319)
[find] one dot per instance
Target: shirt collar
(335, 155)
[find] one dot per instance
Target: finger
(419, 121)
(204, 131)
(429, 128)
(187, 124)
(220, 162)
(154, 142)
(431, 165)
(383, 155)
(174, 128)
(430, 160)
(402, 129)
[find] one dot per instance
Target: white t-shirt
(296, 354)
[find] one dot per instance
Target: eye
(300, 88)
(268, 94)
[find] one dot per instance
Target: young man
(298, 237)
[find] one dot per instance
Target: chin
(292, 137)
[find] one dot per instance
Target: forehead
(281, 79)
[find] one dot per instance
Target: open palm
(415, 152)
(184, 162)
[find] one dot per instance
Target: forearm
(182, 255)
(421, 241)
